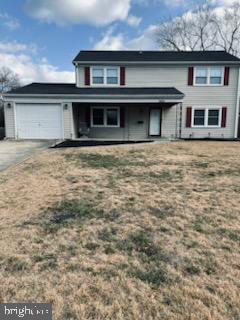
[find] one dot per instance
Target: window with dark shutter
(224, 117)
(189, 117)
(190, 76)
(87, 76)
(122, 76)
(226, 76)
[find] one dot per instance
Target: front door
(155, 122)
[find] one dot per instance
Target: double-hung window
(201, 76)
(213, 117)
(199, 118)
(112, 75)
(105, 76)
(206, 117)
(98, 76)
(105, 117)
(208, 76)
(216, 76)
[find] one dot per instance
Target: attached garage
(39, 121)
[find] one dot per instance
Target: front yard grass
(134, 232)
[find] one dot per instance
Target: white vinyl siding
(177, 76)
(67, 121)
(9, 120)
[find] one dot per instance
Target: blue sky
(39, 38)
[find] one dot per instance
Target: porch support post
(73, 136)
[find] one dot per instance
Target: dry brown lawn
(134, 232)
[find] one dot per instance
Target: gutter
(237, 106)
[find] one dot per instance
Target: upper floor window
(208, 76)
(105, 76)
(98, 76)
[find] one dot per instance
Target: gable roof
(155, 56)
(71, 89)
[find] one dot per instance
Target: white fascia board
(33, 101)
(28, 99)
(84, 63)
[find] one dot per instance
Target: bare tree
(8, 80)
(205, 28)
(227, 25)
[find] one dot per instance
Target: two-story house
(132, 95)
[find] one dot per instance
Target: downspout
(237, 106)
(176, 125)
(180, 121)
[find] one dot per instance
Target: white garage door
(39, 121)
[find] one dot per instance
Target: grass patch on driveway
(137, 232)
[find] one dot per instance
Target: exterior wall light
(66, 107)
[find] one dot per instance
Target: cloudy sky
(40, 38)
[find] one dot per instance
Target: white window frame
(105, 125)
(206, 116)
(105, 76)
(208, 84)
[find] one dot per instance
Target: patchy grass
(102, 161)
(137, 232)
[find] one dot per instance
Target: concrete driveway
(14, 152)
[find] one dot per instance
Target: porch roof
(63, 89)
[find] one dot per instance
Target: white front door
(39, 121)
(155, 122)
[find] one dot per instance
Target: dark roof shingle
(155, 56)
(71, 89)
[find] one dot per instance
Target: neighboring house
(132, 95)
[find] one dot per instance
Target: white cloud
(133, 21)
(9, 22)
(111, 41)
(20, 59)
(95, 12)
(146, 41)
(167, 3)
(224, 3)
(15, 46)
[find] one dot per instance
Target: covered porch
(129, 121)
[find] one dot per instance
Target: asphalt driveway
(14, 152)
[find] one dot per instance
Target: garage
(39, 121)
